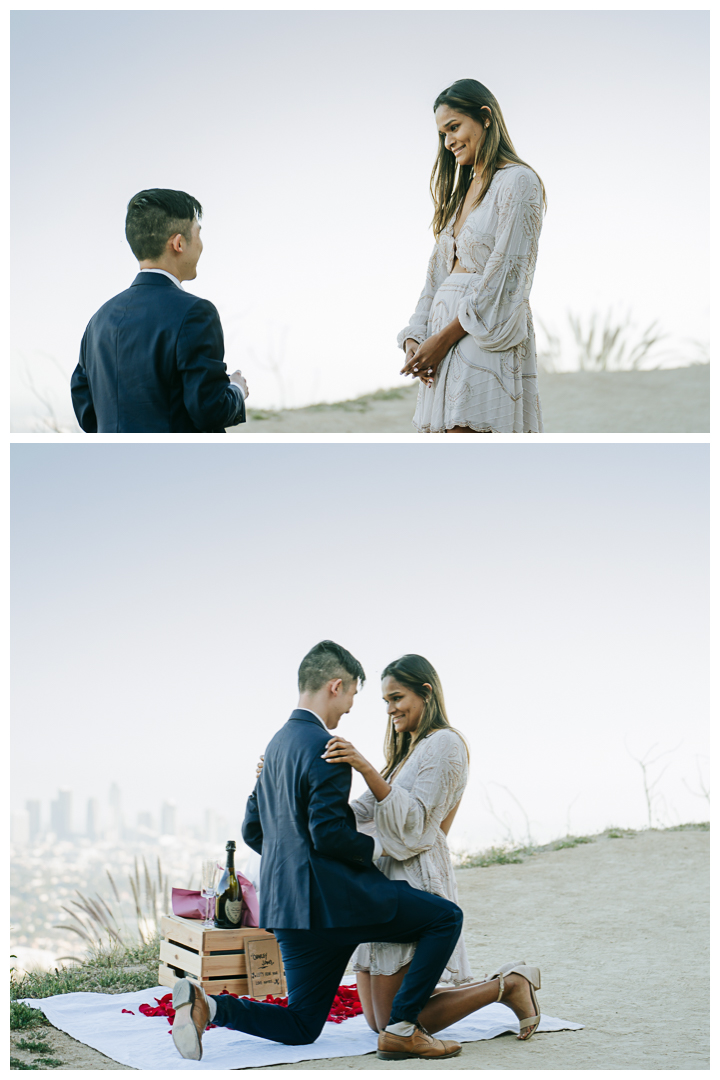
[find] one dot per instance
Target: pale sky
(309, 138)
(164, 595)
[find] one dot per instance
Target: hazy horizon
(163, 597)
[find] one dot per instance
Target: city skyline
(62, 820)
(193, 580)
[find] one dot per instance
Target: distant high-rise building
(145, 821)
(61, 815)
(93, 819)
(116, 816)
(33, 808)
(167, 819)
(20, 828)
(216, 829)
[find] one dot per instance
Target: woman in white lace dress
(471, 340)
(410, 807)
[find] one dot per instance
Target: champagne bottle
(228, 908)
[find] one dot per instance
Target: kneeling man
(320, 892)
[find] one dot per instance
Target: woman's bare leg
(454, 989)
(364, 985)
(447, 1007)
(380, 991)
(384, 989)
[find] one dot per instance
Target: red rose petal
(346, 1005)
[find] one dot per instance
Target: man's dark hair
(153, 216)
(328, 661)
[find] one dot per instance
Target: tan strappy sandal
(529, 1024)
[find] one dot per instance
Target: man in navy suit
(320, 892)
(151, 359)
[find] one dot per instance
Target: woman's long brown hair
(449, 182)
(413, 672)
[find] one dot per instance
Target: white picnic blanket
(144, 1042)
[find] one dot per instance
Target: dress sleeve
(417, 327)
(408, 821)
(364, 811)
(364, 808)
(496, 310)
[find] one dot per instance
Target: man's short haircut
(153, 216)
(328, 661)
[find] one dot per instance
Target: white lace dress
(488, 380)
(407, 821)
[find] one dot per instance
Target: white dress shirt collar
(315, 714)
(157, 270)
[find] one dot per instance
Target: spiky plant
(604, 344)
(102, 926)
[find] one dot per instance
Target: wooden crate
(242, 961)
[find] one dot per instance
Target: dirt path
(619, 929)
(652, 401)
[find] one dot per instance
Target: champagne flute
(207, 888)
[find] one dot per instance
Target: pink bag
(189, 903)
(251, 906)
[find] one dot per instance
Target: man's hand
(238, 379)
(260, 764)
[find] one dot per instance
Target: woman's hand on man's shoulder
(342, 751)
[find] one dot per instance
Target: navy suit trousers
(315, 962)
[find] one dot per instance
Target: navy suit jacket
(317, 870)
(151, 360)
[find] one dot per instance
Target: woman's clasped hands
(422, 360)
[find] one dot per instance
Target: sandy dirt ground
(619, 929)
(676, 399)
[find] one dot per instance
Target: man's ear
(176, 243)
(335, 687)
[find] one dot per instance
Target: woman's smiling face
(462, 133)
(404, 706)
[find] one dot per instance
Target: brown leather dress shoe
(418, 1045)
(192, 1014)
